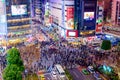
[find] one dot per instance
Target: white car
(90, 69)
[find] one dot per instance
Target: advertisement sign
(19, 9)
(50, 19)
(87, 33)
(70, 17)
(99, 21)
(100, 3)
(99, 28)
(88, 15)
(72, 33)
(47, 9)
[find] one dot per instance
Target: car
(85, 71)
(97, 76)
(90, 69)
(42, 77)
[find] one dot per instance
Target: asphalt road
(78, 75)
(48, 76)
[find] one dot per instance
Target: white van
(60, 70)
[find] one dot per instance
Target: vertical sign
(70, 17)
(50, 19)
(99, 22)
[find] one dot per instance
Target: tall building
(62, 14)
(115, 16)
(73, 17)
(85, 17)
(15, 23)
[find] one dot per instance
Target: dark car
(97, 76)
(85, 71)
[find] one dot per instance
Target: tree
(12, 72)
(106, 45)
(15, 67)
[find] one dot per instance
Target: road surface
(48, 76)
(78, 75)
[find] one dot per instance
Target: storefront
(114, 40)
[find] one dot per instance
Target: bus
(60, 70)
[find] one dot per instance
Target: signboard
(50, 19)
(99, 28)
(72, 33)
(99, 25)
(88, 15)
(70, 17)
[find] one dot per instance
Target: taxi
(42, 77)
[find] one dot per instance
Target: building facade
(74, 17)
(115, 16)
(16, 20)
(85, 17)
(62, 14)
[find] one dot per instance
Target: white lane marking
(76, 75)
(48, 78)
(85, 76)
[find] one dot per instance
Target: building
(15, 21)
(115, 16)
(62, 14)
(85, 17)
(71, 17)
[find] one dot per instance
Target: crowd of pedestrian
(48, 53)
(69, 56)
(2, 64)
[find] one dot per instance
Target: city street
(60, 40)
(49, 76)
(78, 75)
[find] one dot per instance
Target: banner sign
(70, 17)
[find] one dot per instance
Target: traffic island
(31, 77)
(108, 72)
(69, 76)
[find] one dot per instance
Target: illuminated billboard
(70, 18)
(72, 33)
(88, 15)
(19, 10)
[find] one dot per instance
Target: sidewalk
(80, 68)
(44, 32)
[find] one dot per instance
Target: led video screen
(19, 10)
(88, 15)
